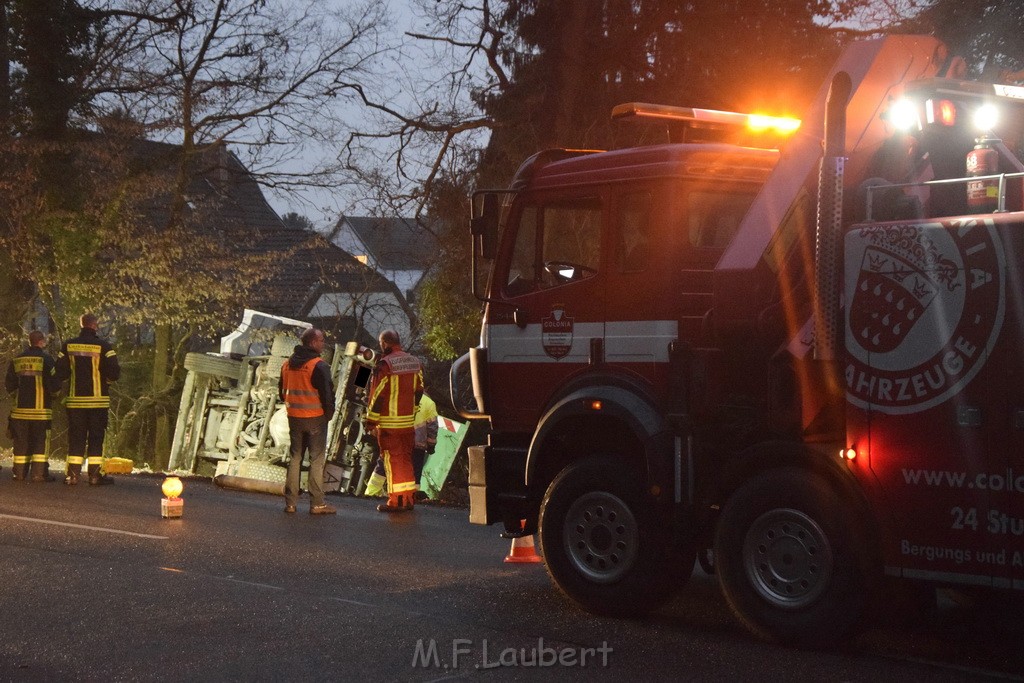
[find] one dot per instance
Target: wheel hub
(788, 558)
(601, 536)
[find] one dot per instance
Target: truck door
(640, 309)
(547, 302)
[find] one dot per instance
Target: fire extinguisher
(983, 160)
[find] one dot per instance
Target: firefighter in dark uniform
(33, 375)
(394, 395)
(89, 363)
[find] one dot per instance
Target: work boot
(97, 478)
(40, 473)
(397, 503)
(72, 474)
(19, 471)
(322, 509)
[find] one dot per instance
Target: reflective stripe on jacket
(90, 363)
(396, 389)
(301, 397)
(33, 374)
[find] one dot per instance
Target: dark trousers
(29, 438)
(86, 428)
(306, 433)
(419, 456)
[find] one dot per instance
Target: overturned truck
(232, 424)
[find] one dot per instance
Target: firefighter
(306, 388)
(89, 364)
(425, 440)
(394, 394)
(425, 426)
(33, 374)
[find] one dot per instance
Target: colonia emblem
(556, 332)
(924, 306)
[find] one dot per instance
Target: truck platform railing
(1001, 178)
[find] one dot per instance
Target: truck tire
(789, 562)
(601, 544)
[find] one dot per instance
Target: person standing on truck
(33, 374)
(90, 363)
(306, 388)
(394, 394)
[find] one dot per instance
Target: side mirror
(484, 226)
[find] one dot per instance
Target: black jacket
(90, 362)
(33, 374)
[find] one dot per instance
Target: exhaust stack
(828, 236)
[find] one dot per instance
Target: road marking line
(250, 583)
(83, 526)
(354, 602)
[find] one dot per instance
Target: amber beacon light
(172, 504)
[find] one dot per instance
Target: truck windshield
(555, 243)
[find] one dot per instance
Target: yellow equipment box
(118, 465)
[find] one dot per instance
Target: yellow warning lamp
(758, 123)
(172, 505)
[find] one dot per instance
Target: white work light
(986, 117)
(902, 114)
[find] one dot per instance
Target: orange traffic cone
(523, 550)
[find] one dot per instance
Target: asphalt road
(94, 585)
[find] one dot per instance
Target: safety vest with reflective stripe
(302, 399)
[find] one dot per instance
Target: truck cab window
(714, 217)
(634, 242)
(571, 241)
(522, 272)
(555, 244)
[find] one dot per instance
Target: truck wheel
(601, 544)
(789, 562)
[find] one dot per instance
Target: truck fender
(640, 416)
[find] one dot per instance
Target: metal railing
(1000, 202)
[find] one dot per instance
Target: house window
(362, 258)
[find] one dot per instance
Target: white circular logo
(924, 307)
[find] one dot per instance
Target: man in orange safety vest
(308, 393)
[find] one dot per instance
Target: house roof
(310, 266)
(223, 198)
(395, 243)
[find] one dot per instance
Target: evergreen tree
(988, 34)
(573, 60)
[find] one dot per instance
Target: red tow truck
(792, 349)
